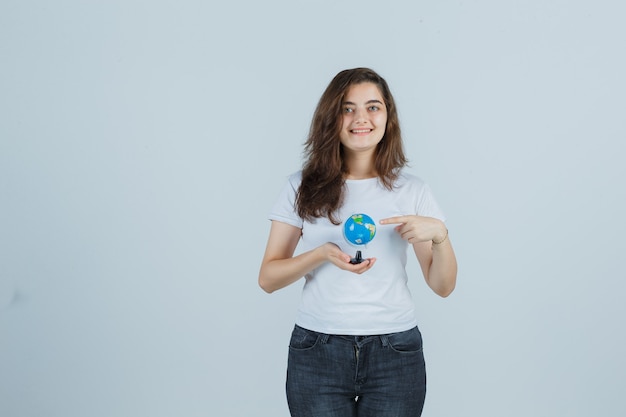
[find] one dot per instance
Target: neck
(360, 166)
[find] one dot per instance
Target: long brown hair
(322, 188)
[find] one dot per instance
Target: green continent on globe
(358, 218)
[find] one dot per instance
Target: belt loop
(323, 338)
(384, 340)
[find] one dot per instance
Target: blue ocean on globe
(359, 229)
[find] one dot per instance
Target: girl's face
(364, 118)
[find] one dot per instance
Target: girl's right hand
(342, 260)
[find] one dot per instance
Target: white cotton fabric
(378, 301)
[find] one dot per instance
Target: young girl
(355, 349)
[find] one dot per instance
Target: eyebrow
(367, 102)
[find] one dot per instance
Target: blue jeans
(356, 376)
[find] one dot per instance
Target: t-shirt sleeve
(284, 209)
(427, 205)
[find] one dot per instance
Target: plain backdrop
(142, 144)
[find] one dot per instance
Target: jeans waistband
(359, 340)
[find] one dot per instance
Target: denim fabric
(355, 376)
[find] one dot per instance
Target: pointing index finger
(394, 220)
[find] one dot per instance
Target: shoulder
(407, 180)
(295, 178)
(409, 184)
(417, 190)
(284, 209)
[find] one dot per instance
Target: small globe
(359, 229)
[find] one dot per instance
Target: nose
(361, 115)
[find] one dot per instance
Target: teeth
(360, 130)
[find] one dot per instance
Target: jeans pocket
(409, 341)
(303, 339)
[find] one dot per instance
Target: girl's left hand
(414, 228)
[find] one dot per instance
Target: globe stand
(357, 259)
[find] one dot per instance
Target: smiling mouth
(357, 131)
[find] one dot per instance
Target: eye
(348, 110)
(373, 108)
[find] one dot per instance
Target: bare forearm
(279, 273)
(443, 269)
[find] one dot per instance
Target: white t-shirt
(378, 301)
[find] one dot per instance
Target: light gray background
(142, 144)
